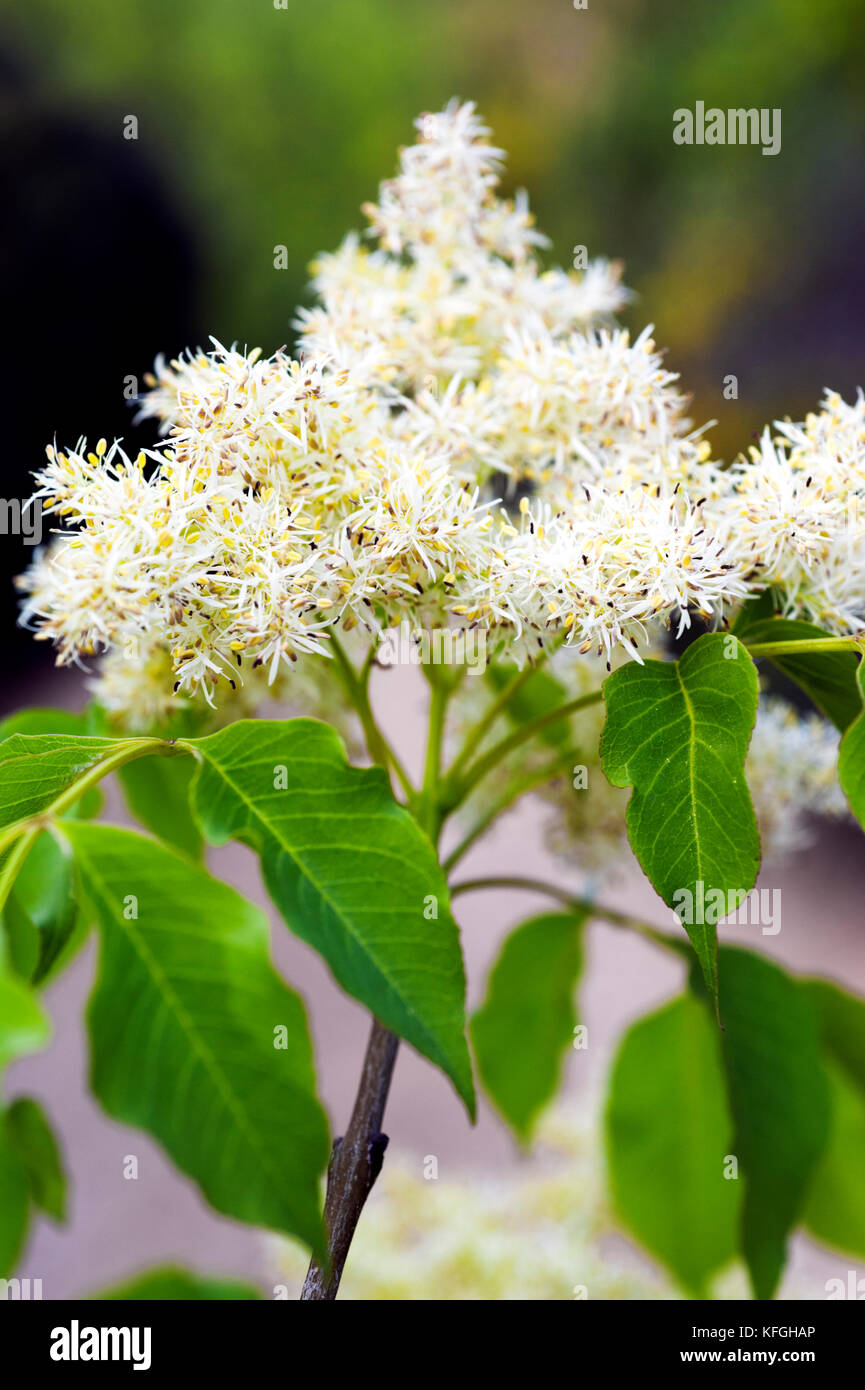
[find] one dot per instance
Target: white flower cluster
(453, 273)
(796, 509)
(443, 373)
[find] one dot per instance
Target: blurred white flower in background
(545, 1232)
(536, 1235)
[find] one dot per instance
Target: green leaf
(836, 1207)
(851, 759)
(14, 1201)
(60, 950)
(180, 1285)
(23, 1025)
(157, 794)
(35, 769)
(828, 678)
(33, 1139)
(41, 916)
(756, 609)
(350, 871)
(779, 1097)
(22, 937)
(23, 1028)
(841, 1018)
(678, 732)
(668, 1132)
(54, 721)
(185, 1033)
(835, 1211)
(46, 890)
(527, 1020)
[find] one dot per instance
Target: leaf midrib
(197, 1045)
(692, 788)
(257, 815)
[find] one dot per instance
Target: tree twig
(596, 911)
(458, 789)
(355, 1164)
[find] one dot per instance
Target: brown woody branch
(355, 1164)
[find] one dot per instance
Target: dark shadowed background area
(260, 126)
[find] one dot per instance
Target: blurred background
(259, 126)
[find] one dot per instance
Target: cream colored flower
(373, 479)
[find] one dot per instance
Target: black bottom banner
(85, 1339)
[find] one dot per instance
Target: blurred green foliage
(272, 125)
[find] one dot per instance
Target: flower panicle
(464, 438)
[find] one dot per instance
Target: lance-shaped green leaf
(779, 1097)
(36, 769)
(54, 775)
(828, 678)
(33, 1139)
(38, 774)
(43, 914)
(350, 871)
(23, 1025)
(851, 759)
(195, 1038)
(21, 937)
(836, 1206)
(14, 1202)
(841, 1019)
(678, 733)
(527, 1020)
(170, 1283)
(157, 794)
(23, 1028)
(835, 1209)
(668, 1131)
(756, 609)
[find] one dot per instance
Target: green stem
(438, 708)
(357, 687)
(502, 803)
(498, 705)
(13, 864)
(356, 693)
(585, 905)
(459, 790)
(816, 644)
(430, 815)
